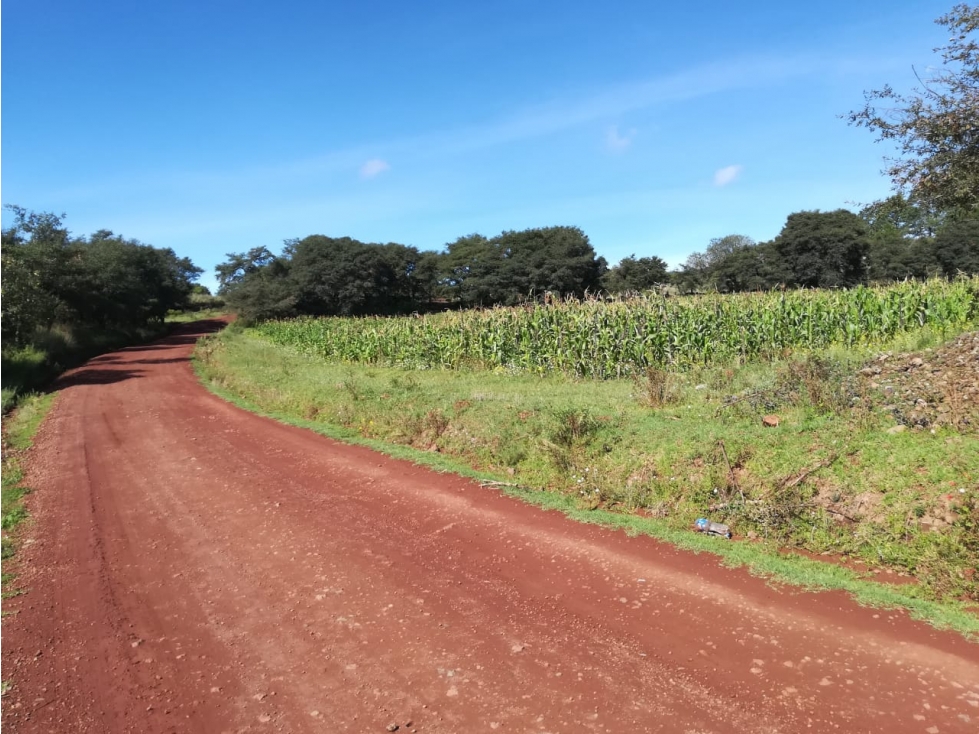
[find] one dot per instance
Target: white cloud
(616, 141)
(726, 175)
(374, 167)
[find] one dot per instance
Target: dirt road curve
(194, 568)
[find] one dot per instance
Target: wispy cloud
(609, 102)
(231, 193)
(373, 168)
(616, 141)
(727, 175)
(585, 107)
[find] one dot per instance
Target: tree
(901, 231)
(633, 276)
(902, 216)
(512, 266)
(105, 281)
(469, 269)
(936, 126)
(558, 260)
(240, 265)
(264, 293)
(750, 268)
(700, 270)
(956, 247)
(343, 276)
(824, 249)
(896, 258)
(36, 259)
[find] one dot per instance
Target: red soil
(194, 568)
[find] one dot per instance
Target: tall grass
(606, 339)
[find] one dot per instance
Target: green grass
(186, 317)
(595, 451)
(18, 433)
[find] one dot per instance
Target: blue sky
(213, 127)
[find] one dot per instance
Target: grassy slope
(18, 433)
(603, 454)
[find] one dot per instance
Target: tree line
(893, 239)
(326, 276)
(98, 283)
(930, 226)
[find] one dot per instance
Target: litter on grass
(703, 525)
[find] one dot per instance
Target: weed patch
(656, 387)
(18, 433)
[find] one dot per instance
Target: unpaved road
(194, 568)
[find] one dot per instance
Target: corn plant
(604, 339)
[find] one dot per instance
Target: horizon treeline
(103, 282)
(890, 240)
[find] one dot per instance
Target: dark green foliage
(470, 270)
(67, 299)
(559, 260)
(824, 249)
(240, 265)
(104, 281)
(346, 277)
(956, 247)
(901, 231)
(633, 275)
(326, 276)
(729, 264)
(751, 268)
(515, 266)
(901, 216)
(893, 239)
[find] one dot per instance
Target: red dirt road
(195, 568)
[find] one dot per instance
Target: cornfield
(606, 339)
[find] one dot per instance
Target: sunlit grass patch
(18, 432)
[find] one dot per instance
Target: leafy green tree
(343, 276)
(264, 293)
(935, 126)
(425, 278)
(469, 270)
(413, 276)
(337, 276)
(701, 269)
(240, 265)
(633, 275)
(105, 281)
(558, 260)
(956, 247)
(901, 231)
(36, 259)
(896, 258)
(750, 267)
(824, 249)
(26, 304)
(902, 216)
(514, 265)
(322, 275)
